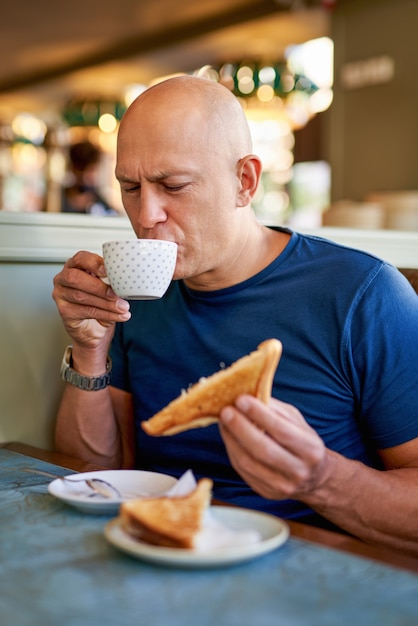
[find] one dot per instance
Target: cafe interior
(329, 89)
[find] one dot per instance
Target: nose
(150, 209)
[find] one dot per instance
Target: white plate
(129, 483)
(273, 533)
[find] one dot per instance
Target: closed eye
(131, 189)
(175, 187)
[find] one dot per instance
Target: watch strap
(87, 383)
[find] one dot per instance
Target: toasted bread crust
(168, 521)
(272, 349)
(203, 402)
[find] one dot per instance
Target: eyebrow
(154, 179)
(164, 175)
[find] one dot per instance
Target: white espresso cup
(140, 269)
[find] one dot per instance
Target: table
(56, 567)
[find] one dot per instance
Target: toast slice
(202, 403)
(168, 521)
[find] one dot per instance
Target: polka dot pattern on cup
(140, 269)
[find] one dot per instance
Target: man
(81, 195)
(345, 393)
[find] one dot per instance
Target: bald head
(208, 112)
(187, 174)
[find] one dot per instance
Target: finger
(245, 440)
(74, 304)
(284, 424)
(81, 295)
(71, 312)
(84, 281)
(88, 262)
(287, 411)
(289, 446)
(267, 469)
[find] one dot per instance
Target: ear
(249, 172)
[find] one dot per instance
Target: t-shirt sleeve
(382, 352)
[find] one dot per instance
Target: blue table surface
(57, 569)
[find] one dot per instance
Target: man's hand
(273, 448)
(89, 308)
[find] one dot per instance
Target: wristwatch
(88, 383)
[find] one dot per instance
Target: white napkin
(185, 484)
(215, 535)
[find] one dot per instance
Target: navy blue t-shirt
(348, 323)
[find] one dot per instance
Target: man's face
(177, 184)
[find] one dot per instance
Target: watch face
(68, 356)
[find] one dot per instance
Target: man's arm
(379, 507)
(96, 426)
(280, 456)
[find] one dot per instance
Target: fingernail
(242, 403)
(101, 272)
(123, 305)
(227, 414)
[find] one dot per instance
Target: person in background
(82, 195)
(338, 443)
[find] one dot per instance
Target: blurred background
(329, 88)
